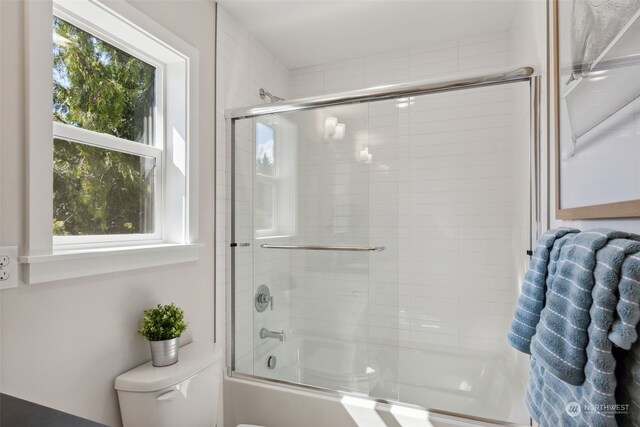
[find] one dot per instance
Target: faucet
(265, 333)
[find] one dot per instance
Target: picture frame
(594, 103)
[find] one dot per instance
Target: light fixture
(330, 127)
(365, 156)
(333, 131)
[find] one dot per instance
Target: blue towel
(560, 342)
(628, 392)
(623, 333)
(549, 398)
(540, 273)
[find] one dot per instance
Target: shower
(385, 263)
(272, 98)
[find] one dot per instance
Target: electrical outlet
(8, 267)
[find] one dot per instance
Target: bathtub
(309, 371)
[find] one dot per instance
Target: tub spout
(265, 333)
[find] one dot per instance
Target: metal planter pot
(164, 353)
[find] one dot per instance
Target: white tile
(431, 70)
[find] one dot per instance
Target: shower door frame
(379, 93)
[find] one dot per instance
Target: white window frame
(175, 144)
(110, 142)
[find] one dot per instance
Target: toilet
(184, 394)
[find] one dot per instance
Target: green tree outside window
(101, 88)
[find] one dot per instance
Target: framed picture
(595, 48)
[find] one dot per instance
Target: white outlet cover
(12, 268)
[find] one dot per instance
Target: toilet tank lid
(192, 358)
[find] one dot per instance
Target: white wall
(490, 52)
(244, 67)
(63, 343)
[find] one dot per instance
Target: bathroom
(344, 201)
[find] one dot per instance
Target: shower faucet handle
(263, 299)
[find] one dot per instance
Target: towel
(628, 391)
(560, 342)
(554, 402)
(623, 333)
(542, 267)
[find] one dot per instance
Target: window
(266, 185)
(106, 151)
(275, 185)
(112, 143)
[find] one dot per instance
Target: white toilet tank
(184, 394)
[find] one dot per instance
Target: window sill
(90, 262)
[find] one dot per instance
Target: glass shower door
(306, 193)
(391, 237)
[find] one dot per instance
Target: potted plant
(162, 327)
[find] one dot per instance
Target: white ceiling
(308, 32)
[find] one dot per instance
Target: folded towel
(532, 296)
(623, 333)
(548, 397)
(553, 403)
(560, 342)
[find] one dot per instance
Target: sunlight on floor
(362, 411)
(410, 417)
(364, 414)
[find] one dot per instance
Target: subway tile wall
(489, 52)
(330, 290)
(447, 196)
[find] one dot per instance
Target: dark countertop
(16, 412)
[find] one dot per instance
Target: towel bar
(325, 248)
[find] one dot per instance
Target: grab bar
(325, 248)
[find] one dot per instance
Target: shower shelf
(325, 248)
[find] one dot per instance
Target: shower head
(272, 98)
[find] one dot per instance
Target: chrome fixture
(401, 90)
(263, 299)
(272, 98)
(265, 333)
(325, 248)
(271, 362)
